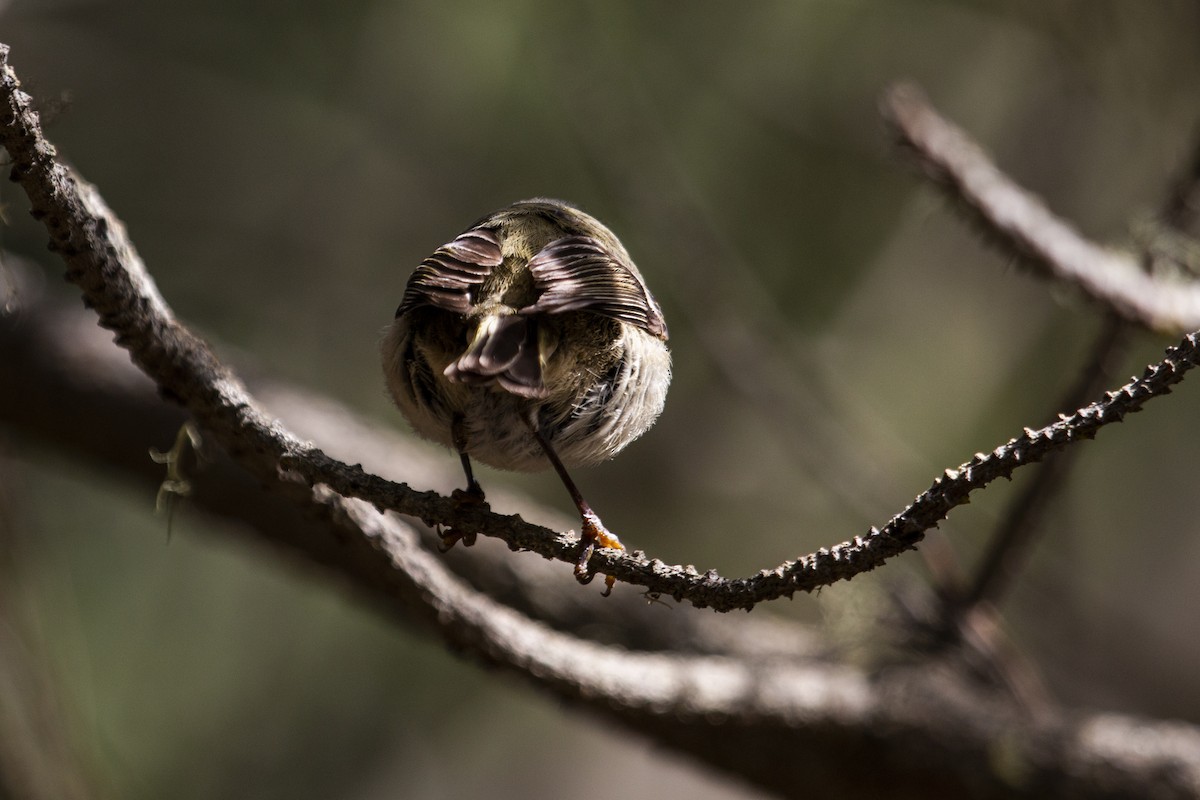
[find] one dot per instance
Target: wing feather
(447, 278)
(578, 272)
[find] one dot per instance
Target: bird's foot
(471, 496)
(594, 535)
(451, 537)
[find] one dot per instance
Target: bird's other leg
(473, 494)
(593, 532)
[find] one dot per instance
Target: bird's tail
(504, 350)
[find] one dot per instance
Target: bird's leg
(593, 533)
(473, 494)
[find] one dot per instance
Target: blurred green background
(839, 337)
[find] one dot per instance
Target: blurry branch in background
(1019, 223)
(803, 724)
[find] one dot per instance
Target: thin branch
(103, 262)
(1021, 224)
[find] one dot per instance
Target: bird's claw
(593, 535)
(470, 496)
(451, 537)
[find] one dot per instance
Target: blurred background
(840, 337)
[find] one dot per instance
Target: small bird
(531, 341)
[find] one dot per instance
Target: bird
(531, 341)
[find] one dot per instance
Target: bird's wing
(446, 278)
(579, 273)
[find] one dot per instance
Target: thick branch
(1021, 224)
